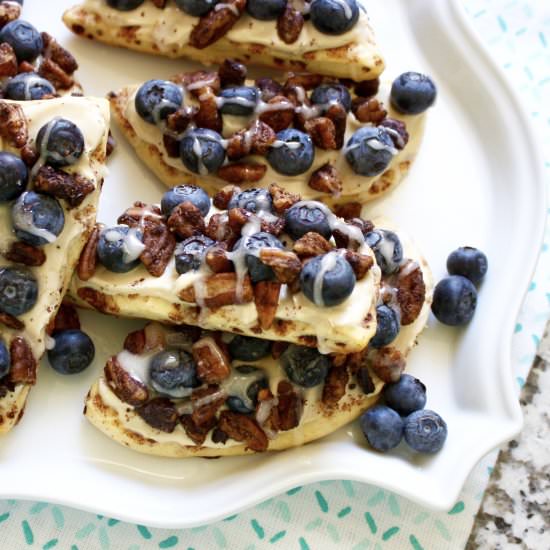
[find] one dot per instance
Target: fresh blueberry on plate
(306, 216)
(254, 200)
(14, 176)
(387, 326)
(425, 431)
(64, 142)
(305, 366)
(18, 290)
(119, 248)
(125, 5)
(27, 86)
(174, 373)
(185, 192)
(239, 100)
(406, 395)
(243, 388)
(292, 153)
(156, 99)
(454, 301)
(370, 150)
(190, 253)
(468, 262)
(265, 10)
(327, 280)
(326, 94)
(198, 8)
(382, 427)
(387, 249)
(248, 348)
(412, 93)
(37, 219)
(25, 40)
(257, 270)
(334, 16)
(5, 364)
(73, 352)
(202, 151)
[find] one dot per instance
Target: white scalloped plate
(477, 181)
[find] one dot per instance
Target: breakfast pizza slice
(331, 37)
(52, 155)
(316, 136)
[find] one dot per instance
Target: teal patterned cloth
(342, 514)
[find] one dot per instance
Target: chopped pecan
(159, 247)
(289, 407)
(232, 73)
(388, 363)
(307, 81)
(337, 113)
(223, 196)
(278, 114)
(29, 155)
(51, 71)
(206, 402)
(282, 199)
(155, 336)
(221, 289)
(215, 24)
(72, 188)
(160, 413)
(219, 436)
(348, 210)
(13, 124)
(186, 220)
(140, 212)
(326, 179)
(364, 380)
(127, 388)
(261, 136)
(9, 11)
(397, 130)
(360, 263)
(368, 110)
(273, 225)
(289, 24)
(266, 298)
(195, 432)
(26, 67)
(335, 385)
(218, 229)
(8, 60)
(367, 88)
(172, 146)
(111, 144)
(285, 264)
(237, 218)
(87, 262)
(268, 87)
(177, 122)
(238, 145)
(208, 115)
(311, 244)
(213, 364)
(411, 291)
(242, 172)
(23, 363)
(216, 259)
(26, 254)
(66, 318)
(244, 429)
(135, 342)
(56, 52)
(322, 132)
(342, 238)
(199, 82)
(277, 349)
(11, 322)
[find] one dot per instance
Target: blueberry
(190, 253)
(334, 16)
(239, 100)
(197, 8)
(425, 431)
(201, 151)
(174, 373)
(254, 200)
(305, 366)
(5, 364)
(412, 93)
(382, 427)
(248, 348)
(119, 248)
(37, 219)
(265, 10)
(252, 245)
(387, 326)
(327, 280)
(468, 262)
(73, 352)
(306, 216)
(13, 176)
(25, 40)
(325, 94)
(243, 388)
(156, 99)
(370, 150)
(454, 301)
(387, 249)
(18, 290)
(292, 153)
(181, 193)
(125, 5)
(406, 395)
(27, 86)
(64, 142)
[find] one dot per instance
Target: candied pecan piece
(268, 87)
(208, 115)
(238, 145)
(87, 262)
(9, 11)
(337, 113)
(411, 291)
(11, 322)
(335, 385)
(195, 432)
(322, 132)
(278, 114)
(242, 172)
(51, 71)
(266, 298)
(307, 81)
(232, 73)
(311, 244)
(261, 136)
(289, 25)
(56, 52)
(206, 402)
(282, 199)
(140, 212)
(285, 264)
(237, 218)
(66, 318)
(243, 428)
(219, 436)
(218, 229)
(213, 364)
(216, 259)
(8, 60)
(274, 225)
(177, 122)
(326, 179)
(127, 388)
(26, 67)
(172, 146)
(199, 82)
(186, 220)
(221, 289)
(223, 196)
(159, 247)
(368, 110)
(215, 24)
(135, 342)
(72, 188)
(348, 210)
(13, 124)
(360, 263)
(160, 413)
(289, 407)
(397, 130)
(29, 155)
(367, 88)
(342, 238)
(387, 363)
(23, 363)
(26, 254)
(364, 380)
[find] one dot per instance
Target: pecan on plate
(199, 82)
(206, 403)
(289, 407)
(282, 199)
(322, 132)
(224, 195)
(72, 188)
(135, 342)
(127, 388)
(215, 24)
(238, 145)
(179, 121)
(307, 81)
(411, 291)
(218, 229)
(66, 318)
(266, 298)
(87, 262)
(186, 220)
(213, 364)
(51, 71)
(26, 254)
(367, 88)
(237, 218)
(261, 136)
(10, 321)
(197, 433)
(29, 155)
(274, 225)
(387, 363)
(244, 429)
(368, 110)
(398, 132)
(268, 87)
(9, 11)
(160, 413)
(139, 212)
(221, 289)
(348, 210)
(360, 263)
(326, 179)
(8, 60)
(311, 244)
(285, 264)
(26, 67)
(159, 247)
(342, 238)
(23, 363)
(242, 172)
(278, 114)
(337, 113)
(13, 124)
(335, 385)
(289, 24)
(208, 115)
(216, 259)
(232, 73)
(57, 53)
